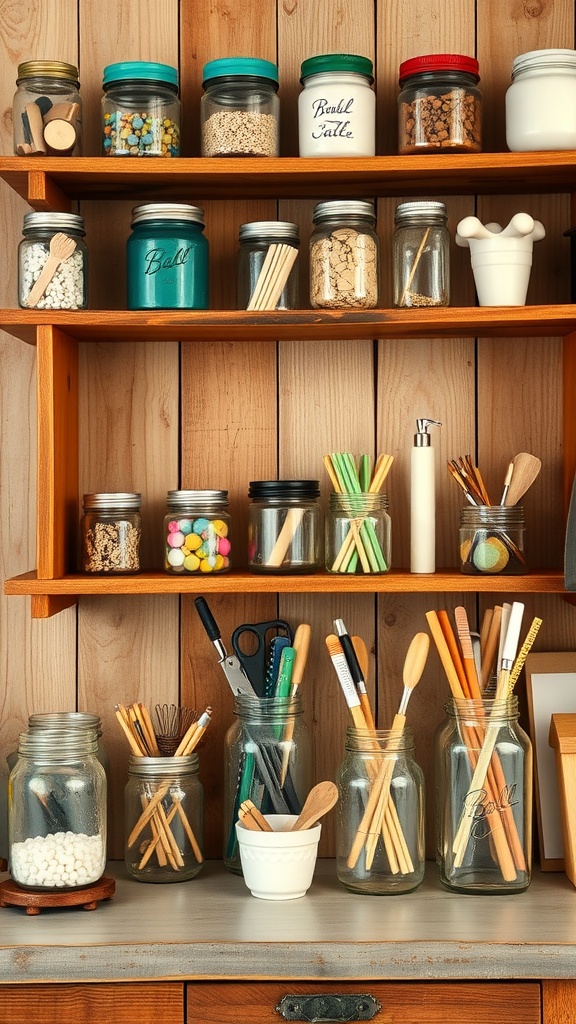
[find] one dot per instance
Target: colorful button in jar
(196, 532)
(167, 258)
(140, 110)
(440, 105)
(337, 107)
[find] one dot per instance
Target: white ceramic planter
(278, 865)
(501, 258)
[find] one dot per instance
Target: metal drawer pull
(328, 1008)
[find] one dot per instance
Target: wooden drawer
(138, 1003)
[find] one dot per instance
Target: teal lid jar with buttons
(167, 258)
(140, 109)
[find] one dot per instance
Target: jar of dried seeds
(344, 256)
(53, 262)
(111, 528)
(240, 108)
(440, 106)
(420, 255)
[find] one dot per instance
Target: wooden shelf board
(294, 325)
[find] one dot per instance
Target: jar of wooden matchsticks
(358, 533)
(421, 255)
(163, 818)
(491, 540)
(267, 267)
(380, 823)
(268, 760)
(284, 526)
(483, 776)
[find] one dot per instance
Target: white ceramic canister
(541, 102)
(337, 106)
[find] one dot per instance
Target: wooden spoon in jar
(319, 801)
(524, 473)
(61, 248)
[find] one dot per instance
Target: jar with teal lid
(140, 110)
(240, 108)
(167, 258)
(337, 106)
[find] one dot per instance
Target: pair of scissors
(252, 643)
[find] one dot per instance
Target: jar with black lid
(421, 255)
(440, 105)
(344, 268)
(111, 530)
(47, 283)
(258, 240)
(47, 109)
(284, 526)
(196, 529)
(240, 108)
(167, 257)
(140, 109)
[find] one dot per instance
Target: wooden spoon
(61, 248)
(526, 469)
(319, 801)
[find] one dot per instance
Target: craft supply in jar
(267, 273)
(439, 105)
(491, 540)
(53, 262)
(337, 106)
(167, 257)
(421, 255)
(541, 101)
(284, 526)
(140, 110)
(344, 267)
(47, 109)
(240, 108)
(111, 529)
(196, 532)
(358, 533)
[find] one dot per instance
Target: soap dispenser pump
(423, 499)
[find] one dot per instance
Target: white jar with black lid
(541, 102)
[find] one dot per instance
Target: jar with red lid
(439, 105)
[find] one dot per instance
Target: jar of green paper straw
(358, 533)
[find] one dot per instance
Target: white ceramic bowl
(278, 865)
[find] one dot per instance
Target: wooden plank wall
(154, 417)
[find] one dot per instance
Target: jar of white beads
(53, 262)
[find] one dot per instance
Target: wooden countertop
(212, 928)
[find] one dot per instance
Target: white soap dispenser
(423, 500)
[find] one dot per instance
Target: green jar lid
(140, 71)
(240, 67)
(348, 62)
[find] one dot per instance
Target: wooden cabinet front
(142, 1003)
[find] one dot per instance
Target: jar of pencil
(484, 797)
(268, 761)
(380, 825)
(491, 540)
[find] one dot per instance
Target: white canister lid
(557, 59)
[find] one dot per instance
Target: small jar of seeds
(140, 110)
(344, 256)
(420, 255)
(240, 107)
(439, 106)
(111, 529)
(53, 262)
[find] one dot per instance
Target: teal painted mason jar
(167, 257)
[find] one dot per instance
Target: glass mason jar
(358, 535)
(491, 539)
(344, 255)
(111, 530)
(259, 240)
(484, 797)
(44, 283)
(376, 762)
(196, 530)
(47, 109)
(240, 110)
(163, 844)
(68, 720)
(167, 258)
(439, 105)
(57, 810)
(140, 110)
(421, 255)
(268, 760)
(541, 101)
(284, 526)
(337, 106)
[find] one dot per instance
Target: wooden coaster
(11, 894)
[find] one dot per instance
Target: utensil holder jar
(483, 776)
(358, 533)
(491, 539)
(196, 532)
(268, 760)
(397, 866)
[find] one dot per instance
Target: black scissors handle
(257, 635)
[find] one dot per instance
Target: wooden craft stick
(255, 297)
(285, 537)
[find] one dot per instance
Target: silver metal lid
(58, 742)
(422, 212)
(344, 208)
(269, 231)
(67, 719)
(58, 221)
(543, 59)
(163, 767)
(168, 211)
(195, 499)
(130, 500)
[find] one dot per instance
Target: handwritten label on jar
(156, 259)
(330, 127)
(336, 123)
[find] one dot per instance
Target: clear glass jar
(344, 268)
(111, 529)
(256, 241)
(196, 529)
(284, 526)
(491, 540)
(82, 720)
(541, 102)
(47, 109)
(337, 106)
(358, 536)
(268, 760)
(483, 775)
(60, 282)
(163, 844)
(377, 762)
(439, 105)
(240, 110)
(421, 255)
(167, 258)
(140, 110)
(57, 810)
